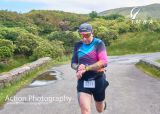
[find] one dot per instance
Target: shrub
(123, 27)
(26, 43)
(11, 33)
(69, 38)
(52, 49)
(6, 49)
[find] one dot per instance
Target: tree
(93, 14)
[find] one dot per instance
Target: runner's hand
(81, 70)
(81, 67)
(80, 73)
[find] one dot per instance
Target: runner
(89, 60)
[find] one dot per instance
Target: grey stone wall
(150, 63)
(16, 74)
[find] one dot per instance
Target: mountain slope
(151, 10)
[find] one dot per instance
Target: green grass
(14, 63)
(11, 89)
(151, 71)
(132, 43)
(158, 60)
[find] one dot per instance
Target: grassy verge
(132, 43)
(151, 71)
(158, 60)
(14, 63)
(11, 89)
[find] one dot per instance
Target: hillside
(64, 20)
(44, 19)
(138, 42)
(145, 11)
(37, 33)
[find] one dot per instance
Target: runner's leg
(85, 102)
(99, 94)
(100, 106)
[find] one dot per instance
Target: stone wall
(16, 74)
(150, 63)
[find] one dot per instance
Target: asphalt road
(130, 92)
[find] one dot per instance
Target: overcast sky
(76, 6)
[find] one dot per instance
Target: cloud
(88, 5)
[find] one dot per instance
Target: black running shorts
(98, 91)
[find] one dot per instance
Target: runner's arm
(102, 58)
(74, 61)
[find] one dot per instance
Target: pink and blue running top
(89, 54)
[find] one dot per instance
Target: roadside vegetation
(158, 60)
(149, 70)
(138, 42)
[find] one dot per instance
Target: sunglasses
(86, 35)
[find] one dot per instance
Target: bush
(6, 49)
(134, 27)
(11, 33)
(105, 34)
(114, 17)
(57, 35)
(153, 27)
(52, 49)
(14, 19)
(33, 29)
(93, 14)
(5, 53)
(108, 36)
(7, 43)
(68, 38)
(47, 28)
(26, 43)
(123, 27)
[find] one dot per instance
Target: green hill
(46, 20)
(60, 19)
(145, 11)
(139, 42)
